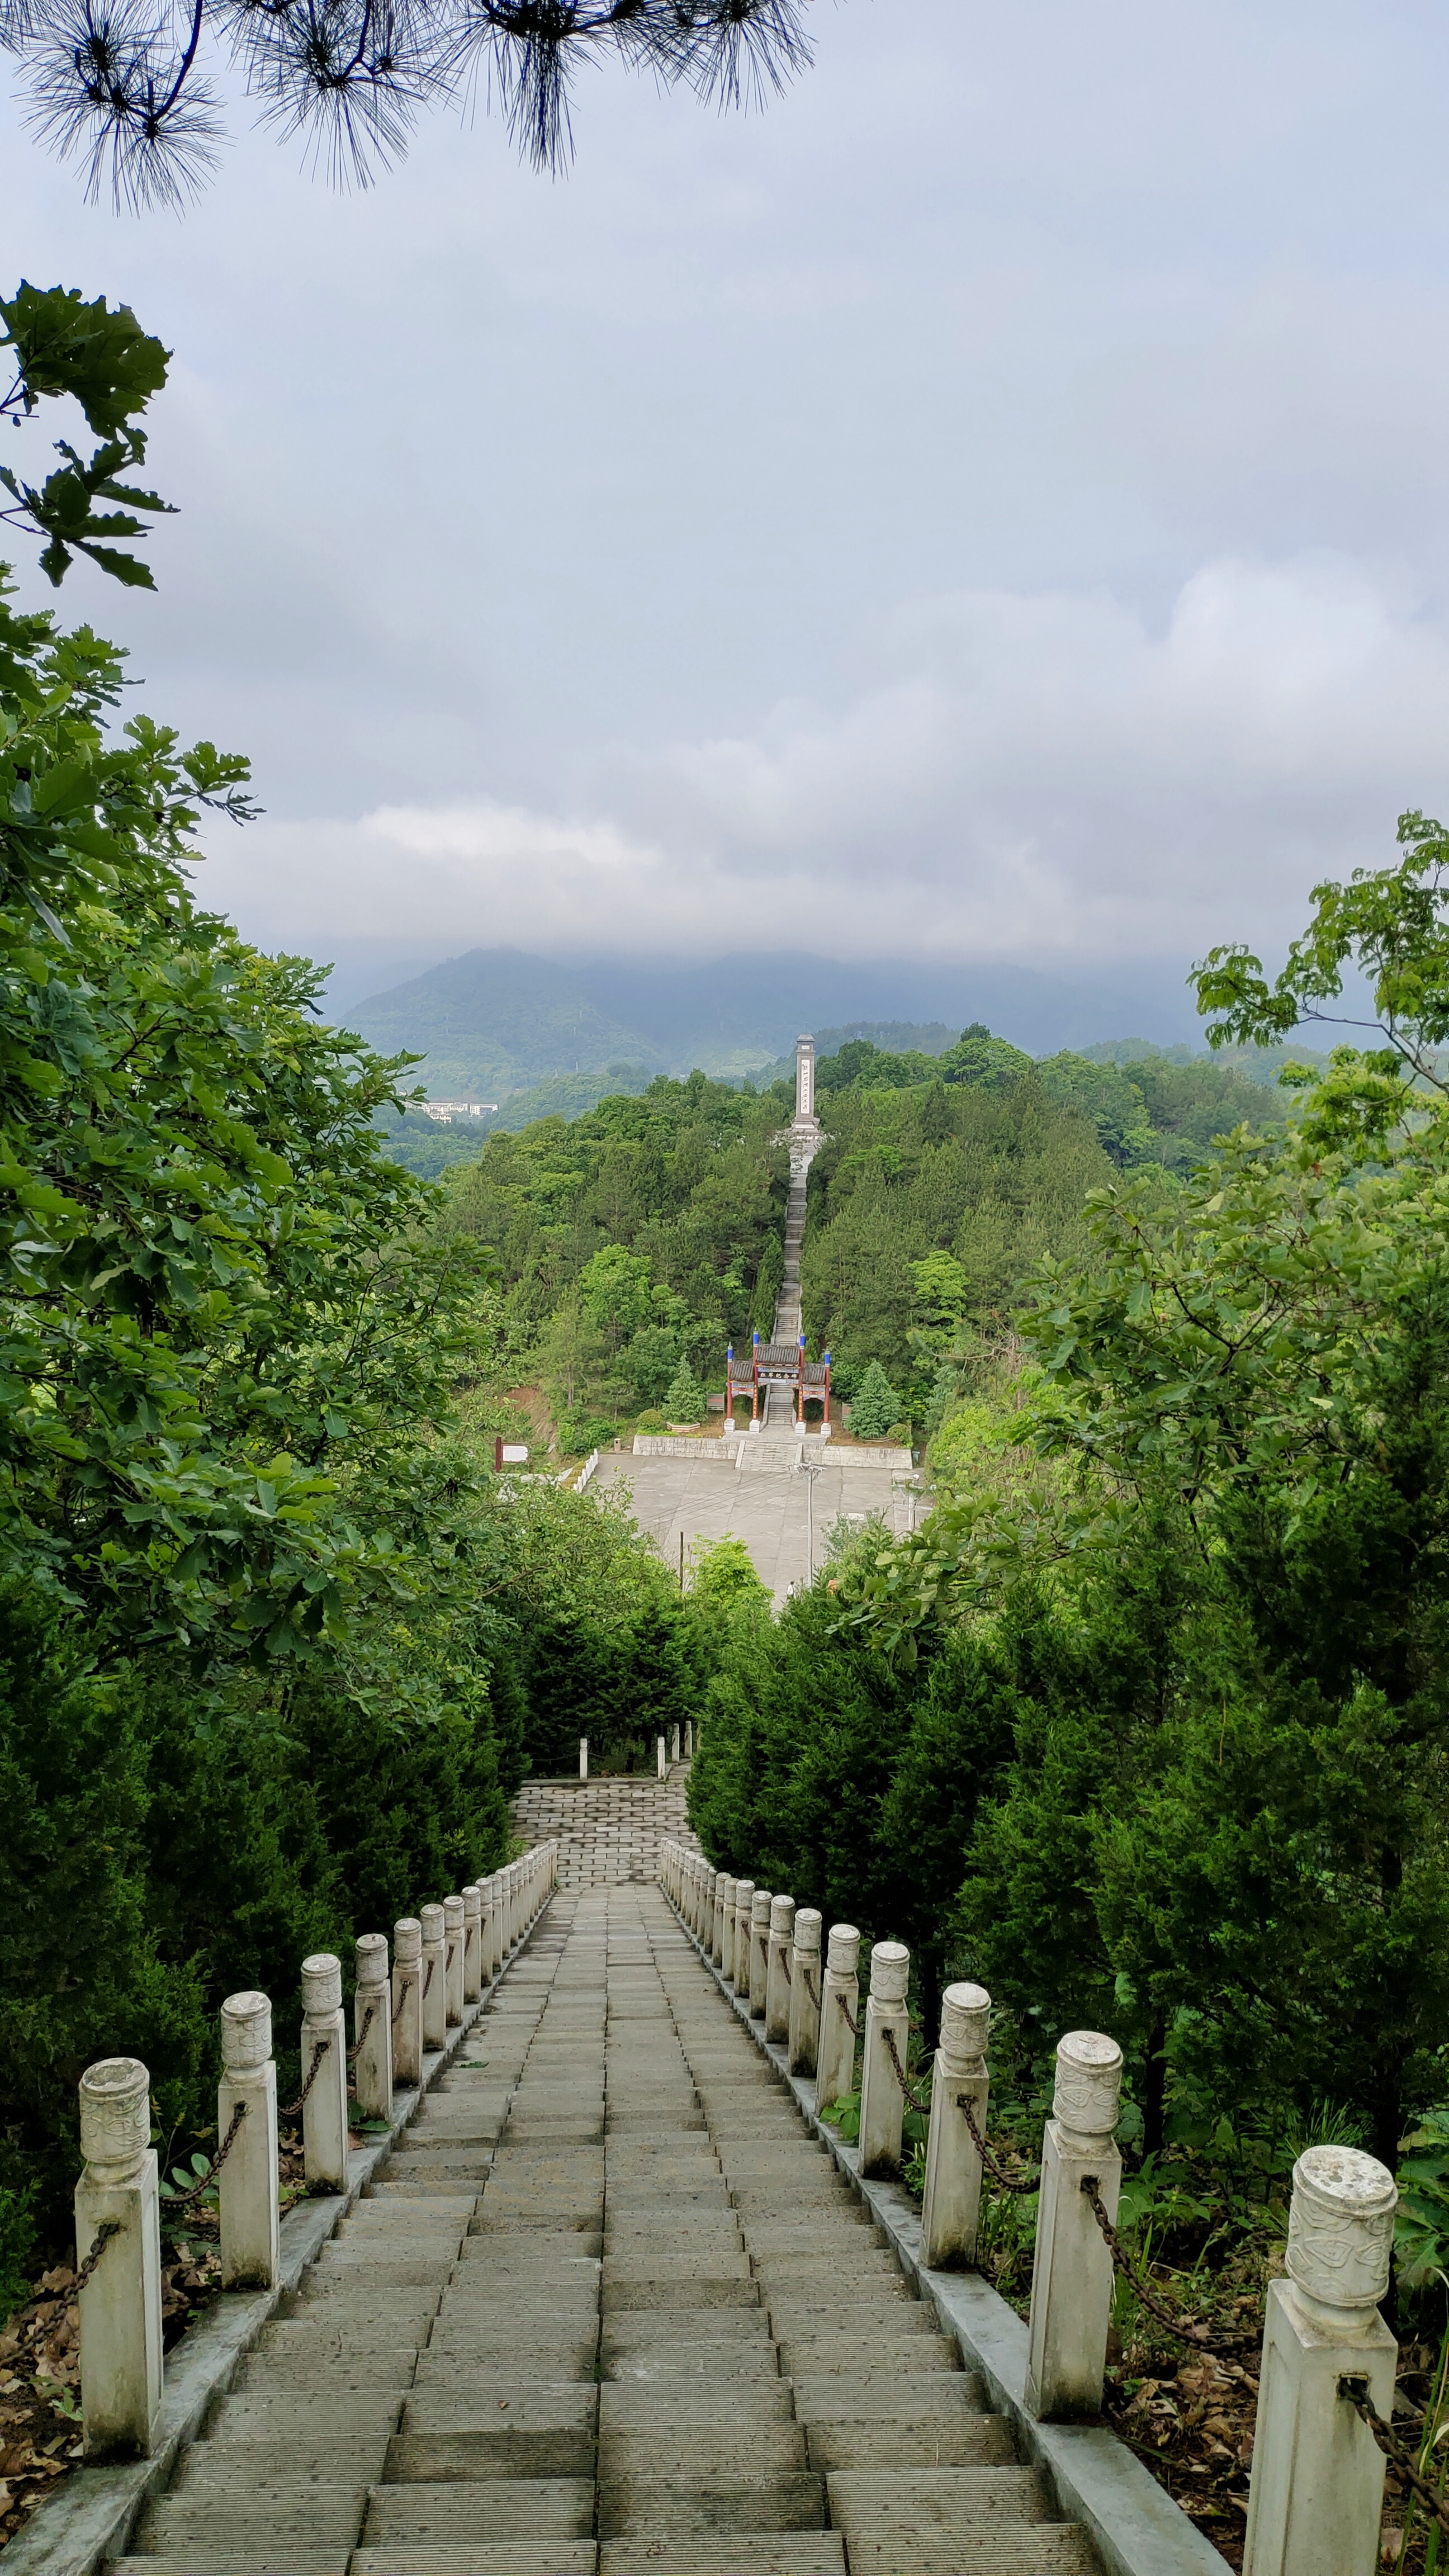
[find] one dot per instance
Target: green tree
(875, 1408)
(684, 1401)
(614, 1288)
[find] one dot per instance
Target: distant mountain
(498, 1020)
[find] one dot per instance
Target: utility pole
(809, 1474)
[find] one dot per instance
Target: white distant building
(442, 1110)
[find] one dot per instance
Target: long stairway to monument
(608, 2311)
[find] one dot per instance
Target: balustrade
(117, 2199)
(1326, 2383)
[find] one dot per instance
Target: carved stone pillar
(1318, 2474)
(472, 1944)
(407, 2000)
(120, 2305)
(882, 2103)
(778, 1971)
(247, 2184)
(952, 2203)
(372, 2028)
(803, 2035)
(454, 1925)
(1071, 2290)
(839, 2006)
(324, 2113)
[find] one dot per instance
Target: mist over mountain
(499, 1020)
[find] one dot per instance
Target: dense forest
(649, 1233)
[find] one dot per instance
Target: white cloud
(1040, 777)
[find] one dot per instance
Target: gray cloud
(997, 495)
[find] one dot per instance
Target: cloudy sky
(990, 506)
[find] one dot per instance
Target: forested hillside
(649, 1233)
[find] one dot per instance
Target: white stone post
(674, 1743)
(1071, 2286)
(472, 1943)
(952, 2205)
(882, 2103)
(583, 1757)
(839, 1997)
(759, 1951)
(689, 1739)
(659, 1755)
(247, 2183)
(407, 2000)
(435, 1981)
(778, 1971)
(722, 1941)
(1318, 2475)
(120, 2305)
(739, 1972)
(804, 2032)
(511, 1885)
(324, 2113)
(487, 1929)
(498, 1884)
(372, 2029)
(454, 1926)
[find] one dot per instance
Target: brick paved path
(608, 2311)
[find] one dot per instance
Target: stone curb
(89, 2520)
(1131, 2521)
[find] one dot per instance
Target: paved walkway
(608, 2312)
(764, 1500)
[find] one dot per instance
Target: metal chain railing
(999, 2175)
(810, 1988)
(785, 1964)
(405, 1987)
(291, 2109)
(1198, 2336)
(852, 2025)
(369, 2017)
(185, 2199)
(1355, 2393)
(428, 1979)
(918, 2101)
(44, 2326)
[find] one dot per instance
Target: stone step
(1041, 2549)
(739, 2553)
(700, 2451)
(501, 2450)
(485, 2558)
(814, 2358)
(959, 2442)
(291, 2415)
(226, 2562)
(840, 2398)
(745, 2401)
(664, 2508)
(672, 2365)
(958, 2501)
(491, 2405)
(457, 2512)
(273, 2522)
(314, 2461)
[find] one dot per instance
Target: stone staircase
(608, 2310)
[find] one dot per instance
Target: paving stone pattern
(608, 1830)
(607, 2312)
